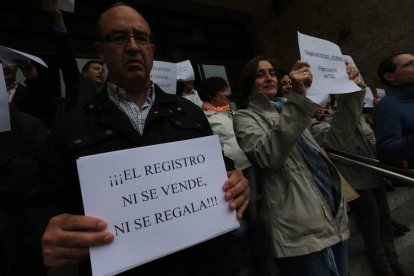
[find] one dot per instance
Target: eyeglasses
(263, 73)
(122, 37)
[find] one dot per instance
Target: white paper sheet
(369, 98)
(9, 55)
(380, 93)
(327, 66)
(185, 71)
(4, 104)
(66, 5)
(322, 100)
(150, 215)
(164, 74)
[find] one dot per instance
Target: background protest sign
(157, 200)
(66, 5)
(164, 75)
(322, 100)
(380, 92)
(10, 56)
(4, 104)
(327, 66)
(369, 98)
(185, 71)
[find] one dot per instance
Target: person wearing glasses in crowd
(82, 86)
(303, 205)
(131, 111)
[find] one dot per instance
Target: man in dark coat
(130, 112)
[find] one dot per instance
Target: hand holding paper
(67, 238)
(301, 77)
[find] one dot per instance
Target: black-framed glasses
(122, 37)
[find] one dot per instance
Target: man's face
(404, 72)
(266, 81)
(95, 74)
(9, 74)
(130, 63)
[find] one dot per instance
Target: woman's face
(221, 98)
(266, 81)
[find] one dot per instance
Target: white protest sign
(185, 71)
(327, 66)
(10, 56)
(369, 98)
(322, 100)
(156, 200)
(380, 93)
(164, 75)
(66, 5)
(4, 104)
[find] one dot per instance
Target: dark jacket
(394, 127)
(79, 90)
(22, 150)
(102, 127)
(35, 99)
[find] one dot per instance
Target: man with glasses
(131, 111)
(394, 114)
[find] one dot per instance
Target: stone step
(402, 210)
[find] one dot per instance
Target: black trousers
(373, 216)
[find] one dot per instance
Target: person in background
(130, 112)
(185, 89)
(22, 151)
(371, 209)
(214, 93)
(81, 87)
(34, 97)
(394, 114)
(304, 207)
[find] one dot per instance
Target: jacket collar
(113, 118)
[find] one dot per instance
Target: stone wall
(377, 28)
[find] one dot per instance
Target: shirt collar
(118, 94)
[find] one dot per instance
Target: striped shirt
(136, 115)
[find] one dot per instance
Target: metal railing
(373, 165)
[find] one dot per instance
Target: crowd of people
(290, 197)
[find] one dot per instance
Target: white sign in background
(185, 71)
(67, 5)
(164, 74)
(10, 56)
(138, 192)
(369, 98)
(4, 104)
(327, 66)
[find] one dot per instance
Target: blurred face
(188, 86)
(221, 98)
(404, 72)
(9, 74)
(129, 62)
(95, 74)
(265, 81)
(286, 84)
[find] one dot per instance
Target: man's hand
(67, 238)
(237, 191)
(301, 77)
